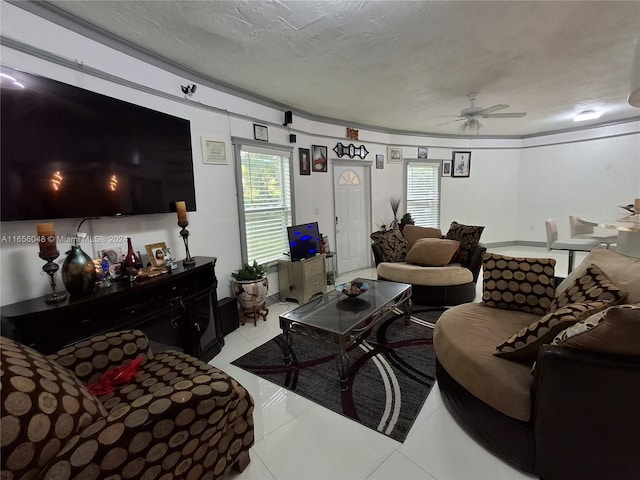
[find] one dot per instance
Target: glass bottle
(131, 260)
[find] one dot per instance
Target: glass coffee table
(342, 321)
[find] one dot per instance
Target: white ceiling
(400, 65)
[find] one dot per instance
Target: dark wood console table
(178, 310)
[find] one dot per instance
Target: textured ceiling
(402, 65)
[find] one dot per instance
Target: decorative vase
(251, 296)
(131, 260)
(78, 272)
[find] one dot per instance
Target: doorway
(352, 204)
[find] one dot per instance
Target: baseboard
(515, 243)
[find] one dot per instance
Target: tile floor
(298, 439)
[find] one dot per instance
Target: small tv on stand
(304, 240)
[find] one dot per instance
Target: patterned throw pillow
(468, 236)
(524, 344)
(518, 283)
(593, 285)
(43, 406)
(614, 331)
(392, 244)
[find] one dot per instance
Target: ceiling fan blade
(506, 115)
(451, 121)
(495, 108)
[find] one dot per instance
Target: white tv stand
(301, 280)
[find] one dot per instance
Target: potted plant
(406, 219)
(251, 286)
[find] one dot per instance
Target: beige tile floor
(298, 439)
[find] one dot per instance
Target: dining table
(628, 227)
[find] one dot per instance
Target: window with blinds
(423, 192)
(266, 202)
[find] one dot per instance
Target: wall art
(461, 166)
(305, 161)
(394, 155)
(319, 158)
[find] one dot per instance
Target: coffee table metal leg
(285, 345)
(342, 362)
(407, 308)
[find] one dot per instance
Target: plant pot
(251, 296)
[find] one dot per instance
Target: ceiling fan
(470, 115)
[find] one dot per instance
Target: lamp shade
(634, 96)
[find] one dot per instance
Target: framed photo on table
(156, 253)
(461, 164)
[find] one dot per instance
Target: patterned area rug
(390, 376)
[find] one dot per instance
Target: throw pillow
(392, 244)
(615, 331)
(468, 236)
(413, 233)
(518, 283)
(592, 285)
(524, 344)
(432, 252)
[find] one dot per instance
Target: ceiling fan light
(587, 115)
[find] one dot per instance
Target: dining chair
(570, 244)
(584, 230)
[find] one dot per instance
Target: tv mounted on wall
(304, 240)
(67, 152)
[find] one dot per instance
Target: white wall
(514, 184)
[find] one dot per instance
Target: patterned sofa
(179, 418)
(443, 269)
(549, 378)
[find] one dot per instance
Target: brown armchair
(179, 418)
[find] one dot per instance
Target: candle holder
(50, 268)
(184, 233)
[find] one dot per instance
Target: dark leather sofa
(585, 422)
(575, 414)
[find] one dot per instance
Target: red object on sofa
(120, 375)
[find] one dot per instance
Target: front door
(351, 199)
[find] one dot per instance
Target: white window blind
(266, 202)
(423, 193)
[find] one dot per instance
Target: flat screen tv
(67, 152)
(304, 240)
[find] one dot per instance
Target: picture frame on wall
(213, 151)
(304, 155)
(446, 168)
(422, 152)
(260, 132)
(380, 161)
(461, 164)
(319, 158)
(394, 155)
